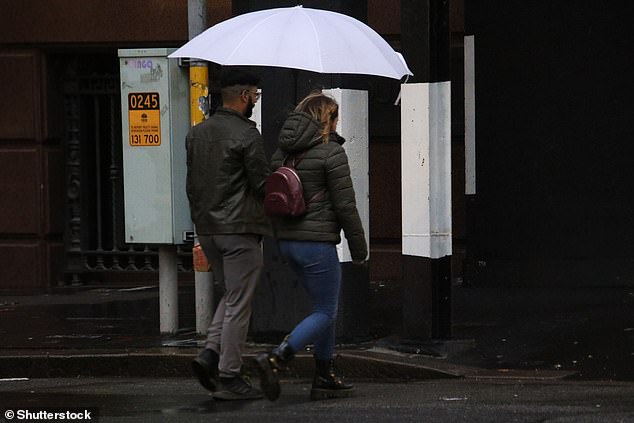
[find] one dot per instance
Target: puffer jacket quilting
(322, 166)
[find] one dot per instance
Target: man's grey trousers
(236, 262)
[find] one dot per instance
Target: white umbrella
(298, 38)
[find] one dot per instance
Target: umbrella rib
(312, 25)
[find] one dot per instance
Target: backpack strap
(295, 161)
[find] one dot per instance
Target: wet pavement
(586, 330)
(94, 318)
(432, 401)
(579, 334)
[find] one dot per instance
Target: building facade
(546, 164)
(61, 223)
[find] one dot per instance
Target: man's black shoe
(236, 388)
(205, 368)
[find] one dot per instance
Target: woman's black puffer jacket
(323, 167)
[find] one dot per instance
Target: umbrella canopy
(298, 38)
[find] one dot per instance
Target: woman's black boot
(270, 366)
(327, 384)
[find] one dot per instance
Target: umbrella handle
(398, 97)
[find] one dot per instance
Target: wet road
(182, 400)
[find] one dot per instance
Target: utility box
(155, 122)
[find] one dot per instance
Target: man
(226, 170)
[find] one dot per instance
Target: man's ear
(244, 96)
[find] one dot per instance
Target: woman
(309, 242)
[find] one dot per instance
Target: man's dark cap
(235, 76)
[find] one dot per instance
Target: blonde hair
(322, 108)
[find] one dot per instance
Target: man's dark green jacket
(226, 171)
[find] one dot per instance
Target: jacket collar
(227, 111)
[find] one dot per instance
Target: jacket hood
(299, 133)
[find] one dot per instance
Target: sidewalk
(533, 334)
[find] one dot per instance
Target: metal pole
(199, 80)
(168, 289)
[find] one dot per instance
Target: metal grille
(94, 235)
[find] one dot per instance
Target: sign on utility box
(155, 121)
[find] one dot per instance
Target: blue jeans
(319, 270)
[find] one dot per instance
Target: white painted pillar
(168, 289)
(353, 126)
(204, 299)
(426, 169)
(469, 115)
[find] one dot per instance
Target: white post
(426, 169)
(204, 297)
(168, 290)
(469, 115)
(353, 126)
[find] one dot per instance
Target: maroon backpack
(284, 192)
